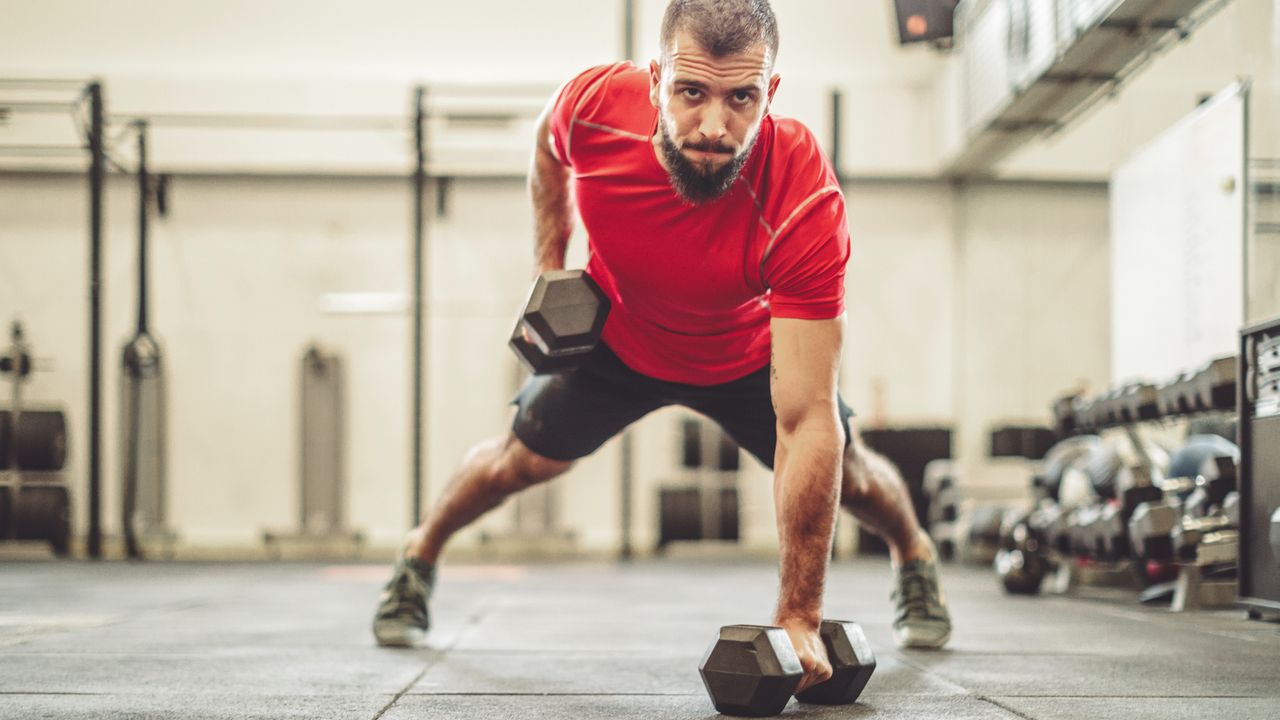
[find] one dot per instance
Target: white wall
(1033, 304)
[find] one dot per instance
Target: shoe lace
(408, 593)
(913, 594)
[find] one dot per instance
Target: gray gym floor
(82, 640)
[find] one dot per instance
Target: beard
(700, 183)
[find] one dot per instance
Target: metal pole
(419, 233)
(836, 106)
(625, 551)
(626, 469)
(629, 30)
(837, 101)
(97, 188)
(144, 182)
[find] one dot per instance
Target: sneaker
(921, 619)
(402, 618)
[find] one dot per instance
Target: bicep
(805, 367)
(544, 138)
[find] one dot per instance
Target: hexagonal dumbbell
(752, 670)
(1151, 528)
(1021, 563)
(561, 322)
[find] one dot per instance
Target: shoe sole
(398, 636)
(905, 641)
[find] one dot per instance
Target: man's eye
(743, 98)
(692, 93)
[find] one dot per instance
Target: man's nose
(714, 122)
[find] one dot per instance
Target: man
(719, 234)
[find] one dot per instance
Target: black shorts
(568, 415)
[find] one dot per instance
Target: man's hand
(813, 653)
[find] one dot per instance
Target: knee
(858, 477)
(517, 467)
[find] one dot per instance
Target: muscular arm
(552, 202)
(806, 358)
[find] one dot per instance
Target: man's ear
(655, 82)
(773, 86)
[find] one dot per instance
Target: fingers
(816, 672)
(812, 654)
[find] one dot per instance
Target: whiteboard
(1177, 244)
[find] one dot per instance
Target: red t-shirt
(693, 287)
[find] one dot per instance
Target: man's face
(709, 111)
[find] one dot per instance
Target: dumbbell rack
(1208, 388)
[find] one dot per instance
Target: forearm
(552, 210)
(806, 495)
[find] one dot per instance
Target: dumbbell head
(1021, 563)
(1191, 531)
(852, 664)
(1044, 520)
(1218, 478)
(1197, 504)
(41, 440)
(751, 670)
(1098, 533)
(6, 512)
(1151, 528)
(1076, 540)
(1020, 572)
(43, 512)
(6, 438)
(1114, 536)
(561, 321)
(1231, 508)
(1189, 460)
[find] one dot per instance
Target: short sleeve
(573, 100)
(805, 265)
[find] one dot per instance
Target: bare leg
(490, 472)
(873, 491)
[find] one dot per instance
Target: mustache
(713, 147)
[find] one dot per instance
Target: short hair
(722, 27)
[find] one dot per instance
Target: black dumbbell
(6, 438)
(1151, 529)
(40, 511)
(40, 440)
(1021, 563)
(6, 512)
(1214, 385)
(1113, 540)
(560, 323)
(752, 670)
(1191, 531)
